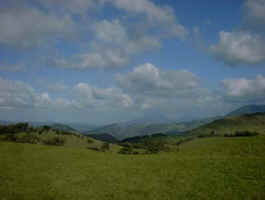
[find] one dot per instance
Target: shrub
(14, 128)
(27, 138)
(94, 148)
(105, 147)
(90, 141)
(54, 140)
(155, 146)
(127, 150)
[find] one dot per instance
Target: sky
(105, 61)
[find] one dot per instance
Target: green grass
(207, 168)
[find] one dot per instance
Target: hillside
(229, 125)
(249, 109)
(200, 169)
(46, 135)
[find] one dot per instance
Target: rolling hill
(229, 125)
(249, 109)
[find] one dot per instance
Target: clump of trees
(150, 146)
(127, 148)
(54, 140)
(105, 147)
(23, 133)
(90, 141)
(14, 128)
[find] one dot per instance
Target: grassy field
(207, 168)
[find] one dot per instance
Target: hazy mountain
(249, 109)
(82, 127)
(144, 127)
(63, 127)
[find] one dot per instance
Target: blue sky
(104, 61)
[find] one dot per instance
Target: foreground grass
(208, 168)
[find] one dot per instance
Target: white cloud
(18, 95)
(106, 58)
(252, 90)
(247, 44)
(150, 80)
(15, 94)
(239, 48)
(101, 98)
(171, 92)
(156, 15)
(104, 43)
(76, 6)
(110, 31)
(112, 47)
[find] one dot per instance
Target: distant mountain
(249, 109)
(104, 137)
(150, 119)
(139, 128)
(62, 127)
(228, 125)
(82, 127)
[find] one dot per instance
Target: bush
(90, 141)
(14, 128)
(54, 140)
(94, 148)
(128, 150)
(155, 146)
(27, 138)
(105, 147)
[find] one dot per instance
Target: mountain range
(159, 124)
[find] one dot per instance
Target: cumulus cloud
(246, 45)
(147, 89)
(101, 98)
(112, 48)
(102, 43)
(106, 58)
(17, 95)
(246, 90)
(166, 91)
(240, 48)
(75, 7)
(162, 15)
(148, 79)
